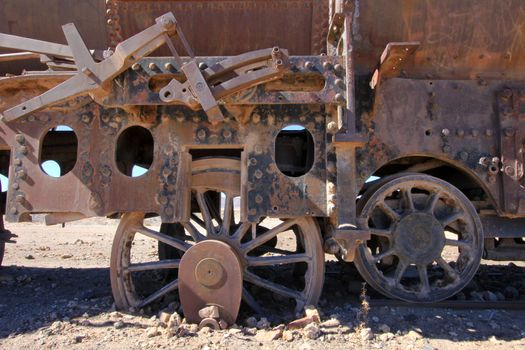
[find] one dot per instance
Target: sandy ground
(55, 293)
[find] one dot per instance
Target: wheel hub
(210, 274)
(419, 238)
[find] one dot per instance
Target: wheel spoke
(457, 243)
(431, 202)
(447, 220)
(265, 237)
(250, 300)
(168, 288)
(194, 233)
(383, 255)
(228, 214)
(423, 278)
(449, 270)
(154, 265)
(273, 287)
(205, 211)
(164, 238)
(241, 231)
(391, 213)
(400, 271)
(214, 209)
(278, 260)
(198, 221)
(409, 201)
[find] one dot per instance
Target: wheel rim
(426, 238)
(270, 262)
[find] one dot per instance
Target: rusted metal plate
(210, 274)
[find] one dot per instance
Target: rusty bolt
(340, 83)
(203, 65)
(339, 98)
(21, 174)
(510, 171)
(327, 65)
(474, 132)
(252, 212)
(446, 148)
(309, 65)
(13, 210)
(460, 132)
(31, 118)
(227, 134)
(163, 199)
(85, 118)
(15, 186)
(338, 68)
(201, 134)
(257, 149)
(20, 138)
(489, 132)
(463, 155)
(20, 198)
(256, 118)
(258, 174)
(135, 66)
(445, 132)
(332, 127)
(169, 66)
(484, 161)
(23, 150)
(152, 66)
(166, 22)
(258, 199)
(253, 161)
(495, 160)
(17, 161)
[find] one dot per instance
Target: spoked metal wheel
(282, 260)
(426, 241)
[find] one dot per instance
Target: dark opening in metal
(294, 151)
(134, 153)
(58, 151)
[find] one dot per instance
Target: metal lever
(93, 76)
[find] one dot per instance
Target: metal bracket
(349, 237)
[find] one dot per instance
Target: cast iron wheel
(427, 238)
(270, 257)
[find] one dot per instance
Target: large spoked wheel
(427, 238)
(282, 259)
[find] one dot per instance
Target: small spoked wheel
(426, 238)
(282, 259)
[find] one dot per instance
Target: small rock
(119, 325)
(366, 334)
(79, 338)
(66, 256)
(311, 312)
(263, 323)
(384, 328)
(414, 335)
(205, 330)
(312, 331)
(489, 296)
(511, 293)
(331, 323)
(29, 257)
(386, 336)
(174, 320)
(211, 311)
(271, 335)
(288, 336)
(251, 322)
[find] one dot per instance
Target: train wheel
(271, 253)
(427, 238)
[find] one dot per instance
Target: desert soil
(55, 293)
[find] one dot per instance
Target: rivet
(509, 132)
(20, 138)
(15, 186)
(340, 83)
(308, 65)
(445, 132)
(152, 66)
(163, 199)
(474, 132)
(23, 150)
(258, 199)
(446, 148)
(495, 160)
(252, 211)
(169, 66)
(338, 68)
(135, 66)
(85, 118)
(491, 179)
(168, 211)
(256, 118)
(489, 132)
(17, 161)
(227, 134)
(20, 198)
(257, 149)
(339, 98)
(31, 118)
(258, 174)
(332, 127)
(253, 161)
(203, 65)
(21, 174)
(463, 155)
(327, 65)
(460, 132)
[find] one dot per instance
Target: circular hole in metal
(134, 152)
(58, 151)
(294, 150)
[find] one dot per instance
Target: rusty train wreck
(259, 157)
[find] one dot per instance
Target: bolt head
(445, 132)
(20, 138)
(309, 65)
(339, 98)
